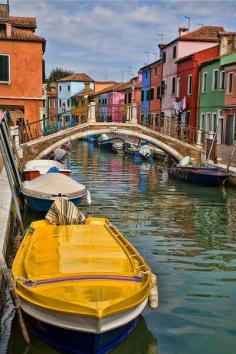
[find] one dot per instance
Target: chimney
(87, 86)
(182, 31)
(4, 13)
(8, 30)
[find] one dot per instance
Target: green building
(211, 97)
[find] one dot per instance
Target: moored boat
(139, 153)
(82, 287)
(36, 168)
(118, 148)
(42, 191)
(105, 142)
(208, 176)
(91, 139)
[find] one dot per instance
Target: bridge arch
(119, 131)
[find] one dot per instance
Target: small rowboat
(42, 191)
(36, 168)
(81, 287)
(91, 139)
(139, 153)
(118, 148)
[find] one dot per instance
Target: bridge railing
(170, 126)
(33, 130)
(117, 113)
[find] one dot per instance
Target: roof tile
(26, 22)
(77, 77)
(204, 33)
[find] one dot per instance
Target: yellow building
(80, 101)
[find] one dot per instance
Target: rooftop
(24, 22)
(81, 77)
(202, 34)
(22, 29)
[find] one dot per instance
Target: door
(229, 136)
(219, 131)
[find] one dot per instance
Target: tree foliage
(57, 74)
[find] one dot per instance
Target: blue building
(68, 87)
(145, 94)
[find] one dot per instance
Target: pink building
(115, 104)
(187, 43)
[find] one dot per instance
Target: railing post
(92, 112)
(134, 113)
(199, 138)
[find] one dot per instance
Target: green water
(187, 235)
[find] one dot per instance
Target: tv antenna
(189, 19)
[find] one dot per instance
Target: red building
(187, 87)
(155, 90)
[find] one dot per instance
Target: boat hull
(201, 176)
(91, 139)
(105, 145)
(30, 175)
(43, 204)
(137, 156)
(77, 342)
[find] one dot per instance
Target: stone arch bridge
(43, 145)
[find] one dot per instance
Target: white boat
(36, 168)
(42, 191)
(118, 147)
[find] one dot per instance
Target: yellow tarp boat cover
(88, 269)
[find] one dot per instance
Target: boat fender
(153, 299)
(89, 200)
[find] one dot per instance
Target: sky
(112, 39)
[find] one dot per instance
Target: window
(215, 79)
(202, 122)
(204, 82)
(163, 88)
(142, 95)
(129, 97)
(59, 103)
(178, 87)
(173, 87)
(214, 122)
(4, 69)
(68, 103)
(59, 88)
(50, 103)
(164, 57)
(174, 52)
(190, 84)
(152, 94)
(155, 71)
(55, 104)
(148, 95)
(222, 80)
(68, 87)
(158, 92)
(146, 74)
(208, 122)
(230, 83)
(187, 118)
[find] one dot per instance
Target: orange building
(21, 67)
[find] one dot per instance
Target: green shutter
(4, 68)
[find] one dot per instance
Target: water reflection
(186, 233)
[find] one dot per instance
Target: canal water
(187, 235)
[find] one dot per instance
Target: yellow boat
(82, 287)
